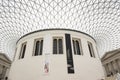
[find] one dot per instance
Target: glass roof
(98, 18)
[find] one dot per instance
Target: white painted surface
(32, 67)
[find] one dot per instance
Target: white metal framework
(99, 18)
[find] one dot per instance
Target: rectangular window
(90, 46)
(23, 49)
(77, 46)
(38, 47)
(58, 45)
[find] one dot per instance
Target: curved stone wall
(75, 57)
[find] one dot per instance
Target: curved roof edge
(54, 29)
(8, 59)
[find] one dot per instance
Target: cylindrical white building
(56, 54)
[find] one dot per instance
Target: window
(77, 46)
(22, 52)
(90, 46)
(15, 54)
(57, 45)
(38, 47)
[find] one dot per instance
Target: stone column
(117, 64)
(109, 67)
(106, 69)
(113, 70)
(4, 72)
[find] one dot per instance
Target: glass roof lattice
(98, 18)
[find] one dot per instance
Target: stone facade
(48, 65)
(111, 62)
(5, 63)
